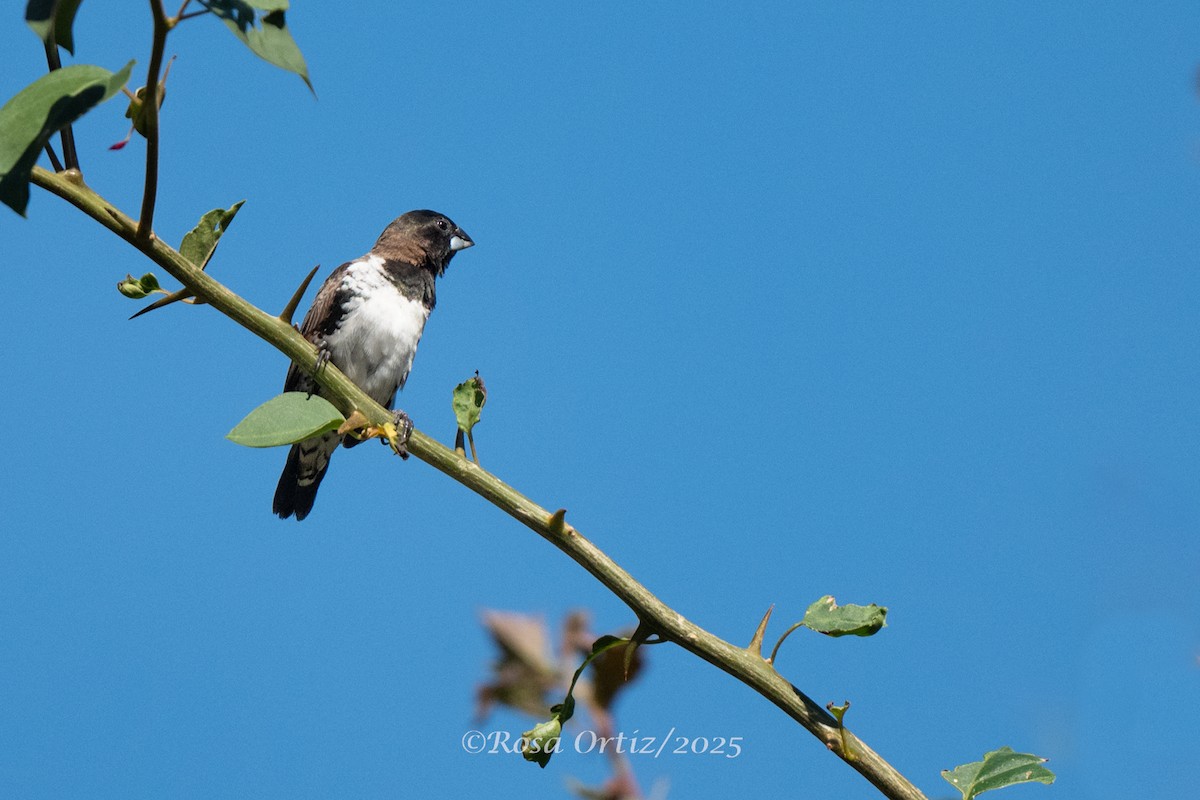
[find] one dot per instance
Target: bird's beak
(460, 240)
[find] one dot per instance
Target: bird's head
(425, 238)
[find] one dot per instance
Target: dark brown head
(423, 238)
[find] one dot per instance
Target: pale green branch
(747, 666)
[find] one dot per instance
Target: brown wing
(322, 319)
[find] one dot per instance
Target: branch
(150, 110)
(747, 666)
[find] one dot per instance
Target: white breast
(380, 329)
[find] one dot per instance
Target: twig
(741, 663)
(787, 633)
(68, 133)
(54, 162)
(150, 110)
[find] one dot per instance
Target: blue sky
(896, 303)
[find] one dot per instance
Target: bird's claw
(396, 433)
(323, 355)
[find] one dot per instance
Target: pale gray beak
(460, 240)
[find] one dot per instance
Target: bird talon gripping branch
(399, 430)
(367, 319)
(323, 356)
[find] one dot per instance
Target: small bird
(367, 319)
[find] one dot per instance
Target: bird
(367, 319)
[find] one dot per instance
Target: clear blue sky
(894, 302)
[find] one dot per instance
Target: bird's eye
(442, 224)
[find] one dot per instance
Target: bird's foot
(396, 433)
(323, 355)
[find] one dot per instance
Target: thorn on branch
(185, 295)
(290, 308)
(757, 640)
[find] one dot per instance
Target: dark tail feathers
(291, 496)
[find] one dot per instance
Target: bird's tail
(306, 465)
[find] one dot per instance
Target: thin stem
(150, 110)
(787, 633)
(192, 15)
(741, 663)
(67, 135)
(54, 162)
(182, 8)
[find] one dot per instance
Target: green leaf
(998, 769)
(540, 742)
(839, 712)
(39, 15)
(606, 642)
(613, 671)
(286, 419)
(137, 288)
(469, 397)
(201, 241)
(136, 110)
(40, 110)
(53, 17)
(64, 23)
(827, 617)
(269, 39)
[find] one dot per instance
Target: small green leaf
(201, 241)
(606, 642)
(53, 16)
(827, 617)
(540, 742)
(839, 712)
(39, 15)
(999, 768)
(64, 23)
(468, 399)
(269, 39)
(136, 109)
(613, 671)
(137, 288)
(40, 110)
(286, 419)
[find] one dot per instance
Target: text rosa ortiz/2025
(635, 744)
